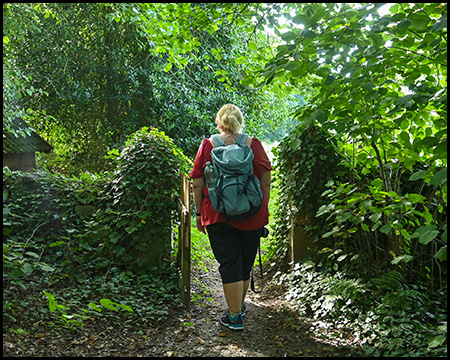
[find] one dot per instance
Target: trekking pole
(261, 269)
(265, 233)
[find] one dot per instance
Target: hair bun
(230, 117)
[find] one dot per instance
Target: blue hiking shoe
(235, 323)
(244, 308)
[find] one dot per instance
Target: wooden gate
(184, 241)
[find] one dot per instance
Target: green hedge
(97, 221)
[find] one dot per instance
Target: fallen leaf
(200, 341)
(223, 334)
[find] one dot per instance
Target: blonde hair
(229, 117)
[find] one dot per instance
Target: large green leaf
(440, 177)
(426, 233)
(420, 21)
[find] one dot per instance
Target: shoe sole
(232, 327)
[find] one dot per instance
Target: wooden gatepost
(184, 241)
(301, 243)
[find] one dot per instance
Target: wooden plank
(184, 240)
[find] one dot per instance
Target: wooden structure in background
(19, 153)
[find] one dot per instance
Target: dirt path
(272, 328)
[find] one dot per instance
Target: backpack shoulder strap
(216, 141)
(242, 139)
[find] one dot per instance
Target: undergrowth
(70, 304)
(92, 246)
(387, 316)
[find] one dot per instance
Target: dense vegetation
(109, 77)
(107, 228)
(368, 168)
(361, 95)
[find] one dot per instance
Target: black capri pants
(234, 249)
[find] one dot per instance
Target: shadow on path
(272, 328)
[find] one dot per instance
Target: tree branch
(259, 21)
(380, 162)
(415, 52)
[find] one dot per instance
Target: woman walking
(234, 242)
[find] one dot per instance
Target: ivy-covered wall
(118, 219)
(306, 161)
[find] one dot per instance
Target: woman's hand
(200, 227)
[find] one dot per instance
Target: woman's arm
(197, 190)
(265, 183)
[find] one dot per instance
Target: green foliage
(306, 161)
(401, 321)
(359, 65)
(383, 105)
(124, 216)
(201, 254)
(379, 87)
(370, 93)
(376, 224)
(140, 202)
(379, 91)
(57, 228)
(170, 66)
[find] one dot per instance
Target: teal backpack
(235, 192)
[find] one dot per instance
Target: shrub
(94, 224)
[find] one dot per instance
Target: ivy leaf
(247, 80)
(342, 257)
(108, 304)
(406, 23)
(375, 217)
(438, 340)
(335, 230)
(288, 36)
(418, 175)
(45, 267)
(95, 307)
(27, 268)
(371, 96)
(51, 301)
(405, 137)
(295, 144)
(291, 66)
(329, 80)
(370, 50)
(365, 227)
(320, 116)
(308, 34)
(441, 24)
(300, 19)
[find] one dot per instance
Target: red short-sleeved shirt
(261, 164)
